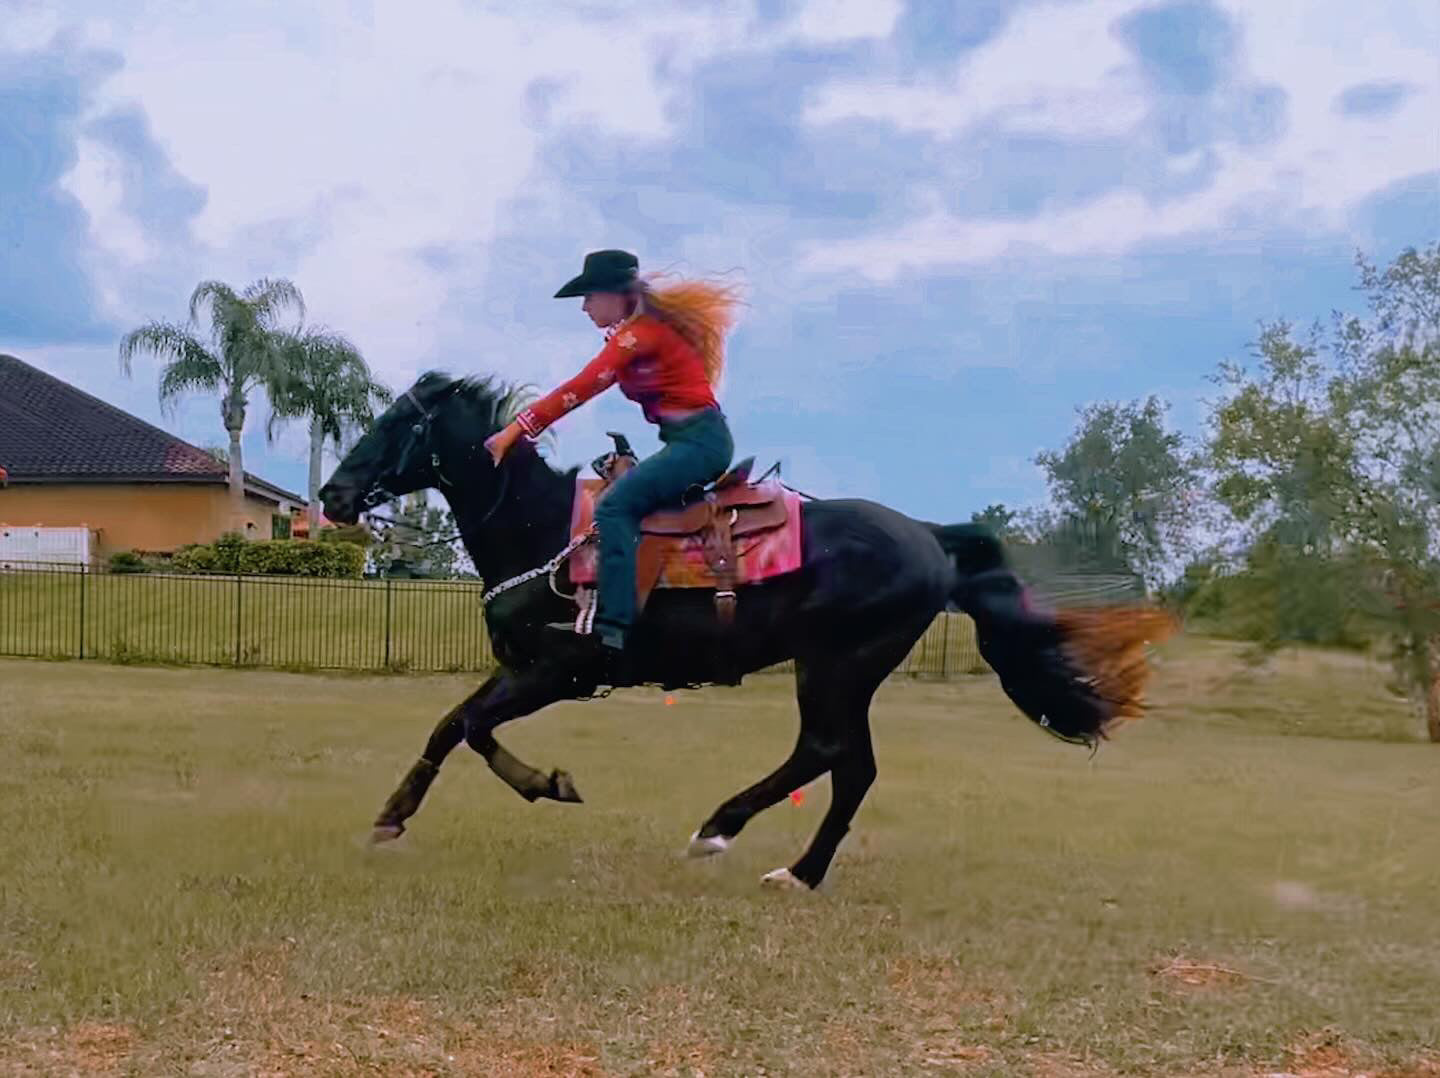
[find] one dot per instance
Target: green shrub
(195, 558)
(127, 561)
(298, 557)
(229, 551)
(346, 533)
(272, 557)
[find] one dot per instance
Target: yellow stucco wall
(138, 516)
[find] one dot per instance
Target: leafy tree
(1282, 446)
(1332, 471)
(1124, 490)
(1390, 385)
(323, 379)
(1005, 523)
(420, 543)
(232, 357)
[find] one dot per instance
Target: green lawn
(1243, 883)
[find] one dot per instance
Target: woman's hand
(499, 443)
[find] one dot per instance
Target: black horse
(872, 580)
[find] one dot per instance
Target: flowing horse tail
(1076, 671)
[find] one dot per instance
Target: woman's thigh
(656, 482)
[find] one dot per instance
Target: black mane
(498, 400)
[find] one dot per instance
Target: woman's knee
(616, 511)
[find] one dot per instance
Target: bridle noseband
(419, 441)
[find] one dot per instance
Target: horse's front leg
(505, 696)
(406, 799)
(514, 696)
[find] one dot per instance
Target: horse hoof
(386, 832)
(562, 788)
(782, 879)
(707, 847)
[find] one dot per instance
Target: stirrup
(583, 634)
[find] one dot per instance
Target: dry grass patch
(87, 1048)
(250, 1021)
(1194, 973)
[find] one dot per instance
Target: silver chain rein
(540, 570)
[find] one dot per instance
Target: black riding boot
(613, 666)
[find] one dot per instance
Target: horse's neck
(528, 525)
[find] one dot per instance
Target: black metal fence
(275, 621)
(287, 622)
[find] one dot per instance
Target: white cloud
(1335, 161)
(27, 24)
(96, 181)
(374, 134)
(1318, 168)
(1055, 68)
(833, 21)
(337, 142)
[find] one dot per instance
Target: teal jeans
(697, 451)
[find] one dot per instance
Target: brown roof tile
(49, 430)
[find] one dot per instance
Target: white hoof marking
(782, 879)
(707, 847)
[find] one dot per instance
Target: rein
(540, 570)
(391, 522)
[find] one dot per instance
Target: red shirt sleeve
(629, 341)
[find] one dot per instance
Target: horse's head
(432, 436)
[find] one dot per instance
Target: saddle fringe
(1108, 644)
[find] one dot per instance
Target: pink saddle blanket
(759, 556)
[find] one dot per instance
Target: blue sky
(956, 223)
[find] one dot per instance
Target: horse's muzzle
(342, 507)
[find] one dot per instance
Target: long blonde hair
(701, 311)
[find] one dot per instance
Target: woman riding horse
(665, 349)
(871, 582)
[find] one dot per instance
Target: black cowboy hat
(605, 271)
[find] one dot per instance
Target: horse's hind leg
(838, 711)
(815, 751)
(843, 706)
(805, 764)
(850, 779)
(835, 695)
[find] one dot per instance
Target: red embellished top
(654, 365)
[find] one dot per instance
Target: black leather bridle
(419, 441)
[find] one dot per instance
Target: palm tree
(238, 356)
(326, 381)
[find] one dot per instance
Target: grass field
(1245, 883)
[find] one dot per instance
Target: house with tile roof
(71, 460)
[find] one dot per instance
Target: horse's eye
(417, 429)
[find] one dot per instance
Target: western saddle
(728, 509)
